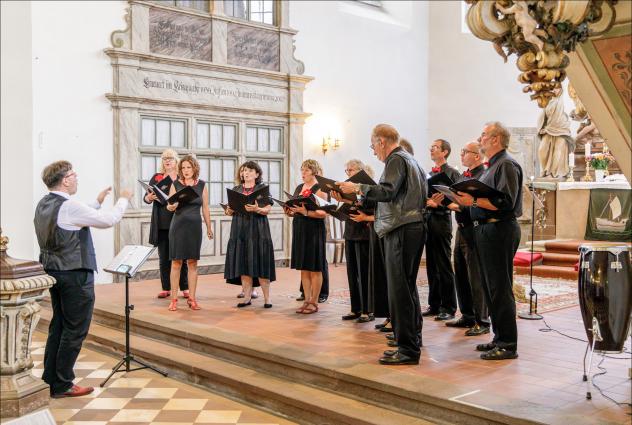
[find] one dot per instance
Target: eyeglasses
(349, 170)
(168, 158)
(464, 151)
(434, 148)
(70, 174)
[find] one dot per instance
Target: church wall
(370, 66)
(16, 154)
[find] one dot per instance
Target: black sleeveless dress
(185, 233)
(249, 251)
(308, 240)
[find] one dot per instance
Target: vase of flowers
(599, 162)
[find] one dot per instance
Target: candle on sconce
(587, 150)
(571, 159)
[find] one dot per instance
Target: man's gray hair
(500, 130)
(355, 163)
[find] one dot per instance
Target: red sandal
(173, 305)
(308, 310)
(193, 305)
(302, 308)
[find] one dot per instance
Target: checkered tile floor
(142, 398)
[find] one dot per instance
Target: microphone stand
(533, 308)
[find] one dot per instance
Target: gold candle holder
(587, 177)
(570, 177)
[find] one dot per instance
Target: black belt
(489, 220)
(463, 225)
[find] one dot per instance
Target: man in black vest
(497, 236)
(401, 197)
(442, 295)
(469, 288)
(62, 226)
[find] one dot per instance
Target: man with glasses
(401, 197)
(497, 236)
(62, 226)
(441, 296)
(469, 288)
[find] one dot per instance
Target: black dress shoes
(477, 330)
(322, 299)
(383, 324)
(444, 316)
(392, 343)
(486, 347)
(386, 329)
(242, 305)
(390, 337)
(390, 353)
(351, 316)
(366, 318)
(499, 354)
(266, 305)
(461, 322)
(429, 312)
(398, 359)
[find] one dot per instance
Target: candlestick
(587, 150)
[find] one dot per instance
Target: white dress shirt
(73, 215)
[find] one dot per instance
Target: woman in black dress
(250, 254)
(185, 233)
(160, 222)
(308, 238)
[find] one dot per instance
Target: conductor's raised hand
(105, 192)
(126, 193)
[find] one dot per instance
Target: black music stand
(533, 308)
(127, 263)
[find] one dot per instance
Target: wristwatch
(357, 189)
(474, 203)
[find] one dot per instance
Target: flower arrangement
(600, 161)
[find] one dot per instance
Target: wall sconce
(328, 142)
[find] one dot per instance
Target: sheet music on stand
(531, 189)
(129, 260)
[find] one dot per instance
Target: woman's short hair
(313, 166)
(252, 165)
(54, 173)
(194, 164)
(167, 153)
(355, 163)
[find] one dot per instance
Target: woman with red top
(161, 221)
(185, 233)
(308, 238)
(250, 254)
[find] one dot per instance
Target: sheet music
(129, 260)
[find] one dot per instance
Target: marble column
(22, 284)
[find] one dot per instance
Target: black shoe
(486, 347)
(429, 312)
(444, 316)
(242, 305)
(390, 353)
(301, 298)
(499, 354)
(392, 343)
(390, 337)
(398, 359)
(366, 319)
(267, 305)
(351, 316)
(383, 324)
(461, 322)
(477, 330)
(322, 299)
(386, 329)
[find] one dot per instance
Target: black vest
(61, 249)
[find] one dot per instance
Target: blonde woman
(161, 221)
(185, 233)
(308, 238)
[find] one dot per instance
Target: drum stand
(533, 308)
(596, 337)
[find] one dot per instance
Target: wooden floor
(548, 372)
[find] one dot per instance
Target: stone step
(290, 380)
(296, 400)
(563, 247)
(560, 272)
(557, 259)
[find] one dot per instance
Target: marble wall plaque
(253, 47)
(523, 146)
(178, 34)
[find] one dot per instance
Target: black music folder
(184, 196)
(237, 201)
(440, 179)
(160, 188)
(329, 185)
(476, 188)
(361, 177)
(310, 204)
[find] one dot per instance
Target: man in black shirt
(401, 196)
(497, 236)
(469, 288)
(442, 296)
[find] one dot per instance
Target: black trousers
(165, 264)
(402, 250)
(324, 290)
(469, 287)
(496, 246)
(442, 295)
(357, 253)
(72, 299)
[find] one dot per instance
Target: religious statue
(554, 133)
(529, 26)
